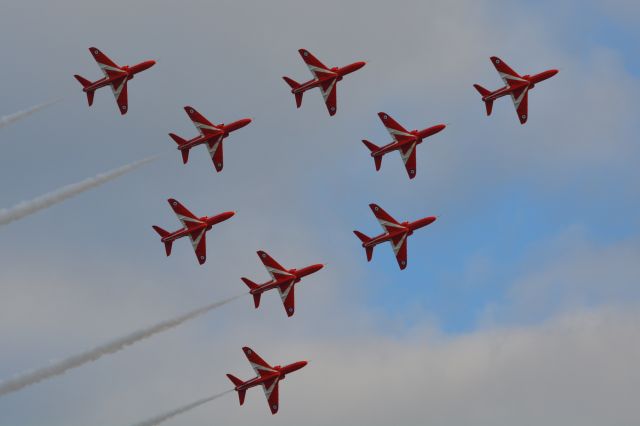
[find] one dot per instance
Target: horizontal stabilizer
(86, 83)
(294, 85)
(237, 382)
(160, 231)
(181, 142)
(253, 286)
(83, 81)
(163, 234)
(377, 159)
(372, 147)
(365, 240)
(362, 237)
(484, 93)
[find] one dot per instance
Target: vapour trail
(26, 208)
(57, 368)
(12, 118)
(166, 416)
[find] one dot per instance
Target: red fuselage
(279, 372)
(207, 222)
(417, 137)
(337, 74)
(526, 81)
(129, 72)
(296, 276)
(225, 130)
(407, 228)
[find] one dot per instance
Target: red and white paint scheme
(282, 279)
(324, 78)
(115, 76)
(394, 232)
(516, 86)
(194, 227)
(211, 135)
(266, 376)
(404, 141)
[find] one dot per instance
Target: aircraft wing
(509, 76)
(270, 388)
(204, 126)
(199, 243)
(317, 68)
(399, 245)
(520, 99)
(397, 132)
(328, 89)
(108, 67)
(260, 366)
(408, 155)
(387, 222)
(215, 150)
(288, 298)
(276, 270)
(119, 89)
(188, 219)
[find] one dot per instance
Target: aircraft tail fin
(294, 85)
(86, 83)
(181, 142)
(484, 93)
(163, 234)
(253, 286)
(374, 148)
(365, 240)
(237, 382)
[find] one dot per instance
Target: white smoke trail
(12, 118)
(27, 379)
(26, 208)
(166, 416)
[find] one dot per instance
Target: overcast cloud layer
(519, 305)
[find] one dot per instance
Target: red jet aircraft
(194, 227)
(114, 76)
(267, 376)
(515, 85)
(210, 134)
(404, 141)
(282, 279)
(394, 232)
(324, 77)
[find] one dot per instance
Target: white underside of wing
(285, 293)
(117, 89)
(327, 93)
(405, 155)
(269, 390)
(196, 241)
(518, 100)
(213, 149)
(397, 247)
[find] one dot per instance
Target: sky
(519, 304)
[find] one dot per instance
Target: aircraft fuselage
(525, 81)
(207, 222)
(337, 74)
(405, 228)
(128, 72)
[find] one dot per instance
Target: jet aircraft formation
(212, 136)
